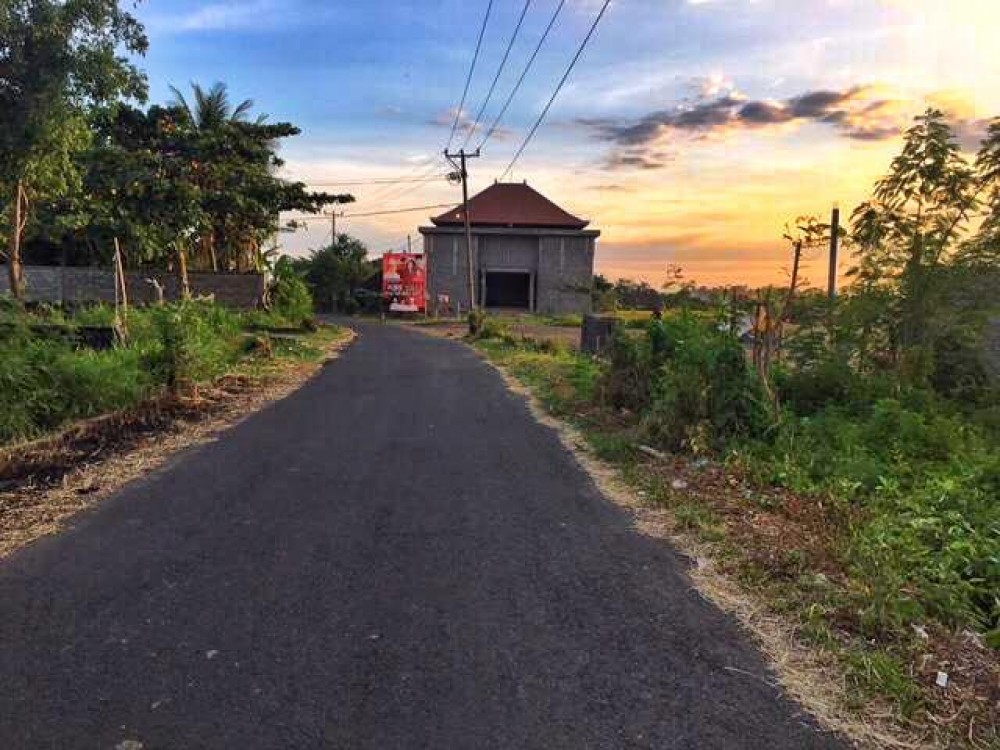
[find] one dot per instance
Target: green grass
(47, 383)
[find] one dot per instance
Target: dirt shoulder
(44, 483)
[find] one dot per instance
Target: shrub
(705, 393)
(291, 299)
(627, 380)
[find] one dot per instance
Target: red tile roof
(511, 204)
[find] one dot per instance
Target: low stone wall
(57, 284)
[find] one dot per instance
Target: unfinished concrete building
(528, 254)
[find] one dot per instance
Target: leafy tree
(983, 251)
(336, 272)
(236, 169)
(56, 59)
(908, 236)
(174, 194)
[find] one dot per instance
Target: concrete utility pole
(834, 251)
(464, 173)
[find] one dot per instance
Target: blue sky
(652, 138)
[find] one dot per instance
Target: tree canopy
(56, 60)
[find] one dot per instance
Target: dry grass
(44, 483)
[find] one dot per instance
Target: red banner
(404, 282)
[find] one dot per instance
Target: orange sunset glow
(698, 152)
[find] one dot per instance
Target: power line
(391, 193)
(411, 209)
(524, 74)
(559, 87)
(399, 210)
(472, 69)
(496, 78)
(419, 171)
(378, 181)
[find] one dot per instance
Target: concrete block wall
(447, 268)
(56, 284)
(565, 275)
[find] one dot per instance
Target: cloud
(638, 158)
(466, 125)
(965, 119)
(222, 15)
(851, 111)
(390, 112)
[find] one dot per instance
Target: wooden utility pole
(333, 227)
(121, 294)
(834, 251)
(409, 245)
(182, 271)
(19, 219)
(463, 172)
(120, 284)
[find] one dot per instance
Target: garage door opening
(507, 289)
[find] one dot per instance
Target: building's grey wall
(508, 253)
(57, 284)
(447, 269)
(563, 266)
(565, 275)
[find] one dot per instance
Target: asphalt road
(396, 556)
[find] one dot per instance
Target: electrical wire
(524, 73)
(496, 78)
(559, 88)
(472, 69)
(377, 181)
(372, 213)
(399, 210)
(390, 193)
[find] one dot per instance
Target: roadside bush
(830, 382)
(689, 381)
(706, 394)
(627, 380)
(291, 299)
(187, 341)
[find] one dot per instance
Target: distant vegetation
(339, 276)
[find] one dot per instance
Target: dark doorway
(508, 289)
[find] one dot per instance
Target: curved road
(396, 556)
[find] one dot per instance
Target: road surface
(396, 556)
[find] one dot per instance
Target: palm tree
(211, 114)
(212, 108)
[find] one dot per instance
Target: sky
(689, 132)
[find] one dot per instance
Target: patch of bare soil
(785, 536)
(44, 483)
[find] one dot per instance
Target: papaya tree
(908, 235)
